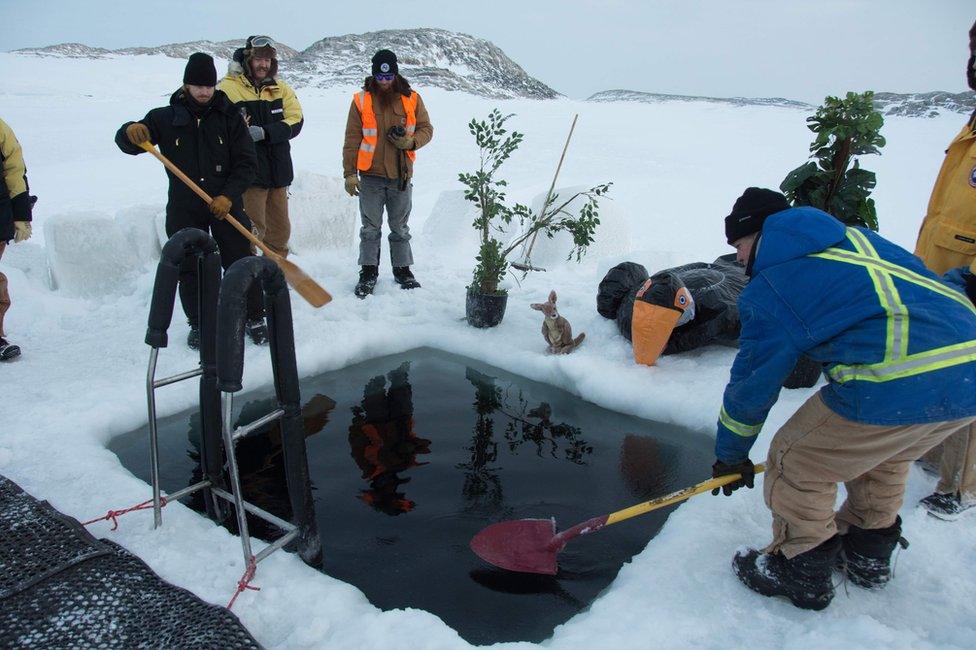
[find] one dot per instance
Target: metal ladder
(243, 273)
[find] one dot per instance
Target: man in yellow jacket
(274, 117)
(947, 240)
(15, 218)
(387, 123)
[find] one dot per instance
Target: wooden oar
(300, 281)
(531, 545)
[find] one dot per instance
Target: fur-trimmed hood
(237, 68)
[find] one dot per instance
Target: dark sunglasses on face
(384, 77)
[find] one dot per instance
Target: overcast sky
(799, 49)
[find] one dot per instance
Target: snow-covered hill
(658, 98)
(217, 49)
(911, 105)
(428, 57)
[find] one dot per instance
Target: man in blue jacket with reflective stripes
(898, 350)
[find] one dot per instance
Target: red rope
(113, 515)
(244, 582)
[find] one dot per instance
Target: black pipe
(195, 246)
(231, 317)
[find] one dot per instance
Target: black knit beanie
(385, 62)
(750, 211)
(200, 70)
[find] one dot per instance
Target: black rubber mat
(62, 588)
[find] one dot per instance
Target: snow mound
(91, 254)
(322, 215)
(612, 237)
(448, 228)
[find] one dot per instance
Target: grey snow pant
(376, 193)
(817, 449)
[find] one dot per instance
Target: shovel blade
(521, 545)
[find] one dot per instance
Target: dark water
(411, 455)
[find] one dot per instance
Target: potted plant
(845, 128)
(485, 304)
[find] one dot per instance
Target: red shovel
(531, 545)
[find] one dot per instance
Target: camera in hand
(396, 132)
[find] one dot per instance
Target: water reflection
(524, 425)
(260, 461)
(383, 442)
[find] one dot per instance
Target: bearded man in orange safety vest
(387, 123)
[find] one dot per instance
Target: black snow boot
(805, 579)
(405, 278)
(8, 350)
(193, 338)
(947, 507)
(257, 331)
(867, 553)
(367, 280)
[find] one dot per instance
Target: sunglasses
(384, 77)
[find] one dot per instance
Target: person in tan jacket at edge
(387, 123)
(947, 240)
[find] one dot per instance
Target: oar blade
(301, 282)
(520, 545)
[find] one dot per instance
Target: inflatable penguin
(676, 309)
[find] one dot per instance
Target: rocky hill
(657, 98)
(428, 57)
(217, 49)
(925, 104)
(911, 105)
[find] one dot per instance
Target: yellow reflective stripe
(915, 364)
(840, 255)
(896, 335)
(736, 427)
(897, 363)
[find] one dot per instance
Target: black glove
(971, 287)
(745, 468)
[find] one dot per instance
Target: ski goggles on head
(262, 41)
(381, 76)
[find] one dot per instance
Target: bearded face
(385, 93)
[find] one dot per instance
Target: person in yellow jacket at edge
(947, 240)
(274, 117)
(387, 123)
(15, 218)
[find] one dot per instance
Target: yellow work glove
(22, 231)
(352, 185)
(137, 133)
(220, 206)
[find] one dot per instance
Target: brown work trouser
(4, 296)
(268, 210)
(817, 449)
(956, 460)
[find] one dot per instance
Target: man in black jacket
(205, 136)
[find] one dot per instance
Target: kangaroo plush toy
(556, 329)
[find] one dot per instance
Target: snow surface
(676, 170)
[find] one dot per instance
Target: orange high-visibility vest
(364, 102)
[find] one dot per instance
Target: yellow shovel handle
(676, 497)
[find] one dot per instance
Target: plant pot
(805, 374)
(484, 309)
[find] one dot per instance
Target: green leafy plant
(496, 144)
(845, 128)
